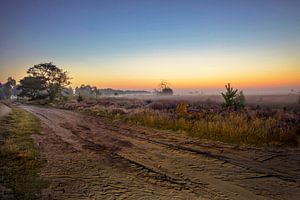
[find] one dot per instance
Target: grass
(267, 125)
(20, 160)
(229, 127)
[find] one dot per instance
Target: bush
(156, 106)
(167, 91)
(79, 98)
(182, 109)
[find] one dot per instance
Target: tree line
(7, 89)
(47, 81)
(43, 81)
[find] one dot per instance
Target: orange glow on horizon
(283, 80)
(258, 81)
(182, 70)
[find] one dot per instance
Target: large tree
(49, 78)
(33, 87)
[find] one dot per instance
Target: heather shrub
(182, 109)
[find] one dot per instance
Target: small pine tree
(79, 98)
(229, 96)
(232, 98)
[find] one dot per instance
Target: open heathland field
(124, 148)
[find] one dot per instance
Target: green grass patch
(20, 162)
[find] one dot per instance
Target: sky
(136, 44)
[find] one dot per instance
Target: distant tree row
(92, 91)
(87, 91)
(47, 81)
(8, 89)
(43, 81)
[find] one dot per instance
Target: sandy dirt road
(92, 158)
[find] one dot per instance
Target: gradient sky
(136, 44)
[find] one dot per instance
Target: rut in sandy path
(178, 172)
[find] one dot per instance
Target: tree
(164, 84)
(232, 99)
(165, 88)
(79, 98)
(6, 89)
(33, 87)
(1, 92)
(240, 99)
(86, 91)
(67, 91)
(51, 76)
(96, 92)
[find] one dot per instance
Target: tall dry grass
(256, 125)
(229, 127)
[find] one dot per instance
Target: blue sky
(92, 35)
